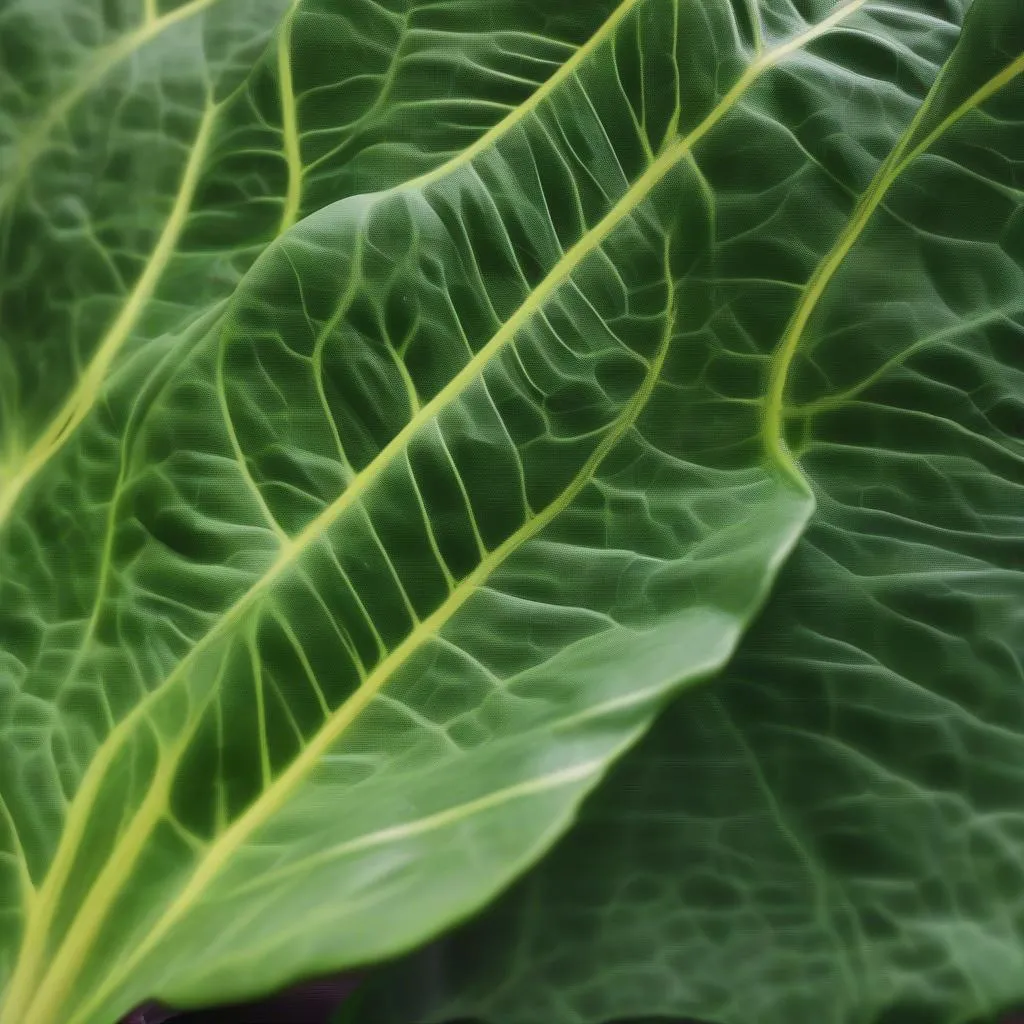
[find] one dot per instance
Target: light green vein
(87, 390)
(343, 635)
(22, 994)
(307, 668)
(220, 790)
(375, 109)
(902, 154)
(428, 527)
(273, 798)
(754, 13)
(53, 988)
(289, 121)
(838, 399)
(478, 536)
(17, 852)
(535, 99)
(428, 823)
(197, 330)
(37, 140)
(236, 446)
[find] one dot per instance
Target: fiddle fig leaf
(368, 480)
(833, 830)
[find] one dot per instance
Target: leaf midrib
(899, 158)
(36, 142)
(75, 408)
(289, 121)
(271, 800)
(68, 961)
(86, 392)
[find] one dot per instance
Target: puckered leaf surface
(368, 473)
(834, 830)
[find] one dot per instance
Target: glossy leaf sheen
(833, 830)
(366, 484)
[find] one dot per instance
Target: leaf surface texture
(367, 481)
(832, 830)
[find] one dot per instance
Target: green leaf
(834, 831)
(113, 124)
(360, 510)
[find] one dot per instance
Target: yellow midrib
(289, 553)
(532, 102)
(83, 397)
(35, 143)
(289, 121)
(36, 933)
(75, 408)
(260, 812)
(275, 796)
(899, 158)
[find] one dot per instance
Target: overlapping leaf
(332, 581)
(833, 831)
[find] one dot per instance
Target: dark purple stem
(312, 1002)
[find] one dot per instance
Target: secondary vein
(64, 967)
(900, 157)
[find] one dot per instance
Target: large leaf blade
(833, 830)
(267, 633)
